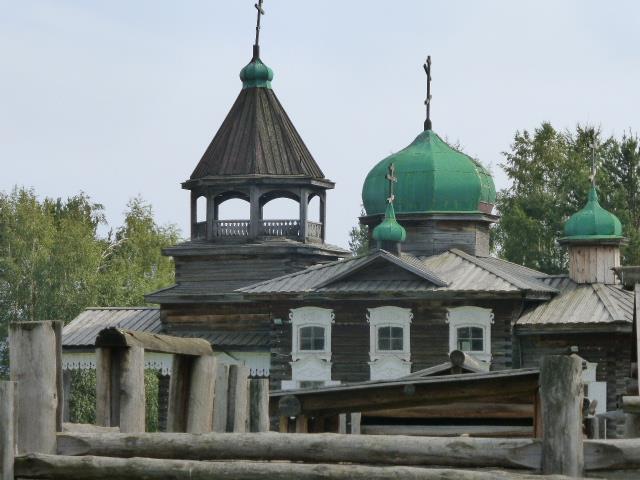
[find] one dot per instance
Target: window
(470, 331)
(310, 347)
(390, 338)
(471, 339)
(312, 338)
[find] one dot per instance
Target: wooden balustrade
(314, 230)
(280, 228)
(230, 228)
(266, 228)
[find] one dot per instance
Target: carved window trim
(470, 316)
(311, 317)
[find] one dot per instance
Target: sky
(121, 98)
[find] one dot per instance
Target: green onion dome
(432, 177)
(256, 74)
(592, 223)
(389, 230)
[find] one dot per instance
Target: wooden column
(33, 361)
(254, 213)
(120, 399)
(220, 398)
(66, 386)
(7, 434)
(57, 328)
(179, 393)
(259, 405)
(561, 401)
(132, 399)
(194, 214)
(304, 214)
(211, 215)
(238, 401)
(323, 215)
(201, 391)
(356, 418)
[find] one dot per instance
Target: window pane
(476, 332)
(470, 339)
(312, 338)
(476, 345)
(464, 333)
(384, 338)
(464, 345)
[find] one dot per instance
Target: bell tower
(257, 156)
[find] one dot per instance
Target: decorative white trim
(595, 390)
(87, 361)
(389, 364)
(310, 365)
(469, 316)
(258, 363)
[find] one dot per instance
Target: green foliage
(359, 238)
(53, 263)
(550, 172)
(82, 404)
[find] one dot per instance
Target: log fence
(217, 409)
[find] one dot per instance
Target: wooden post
(132, 399)
(302, 424)
(103, 387)
(220, 398)
(283, 424)
(259, 405)
(342, 423)
(201, 391)
(238, 401)
(355, 423)
(179, 393)
(33, 361)
(57, 328)
(631, 408)
(561, 402)
(7, 434)
(304, 206)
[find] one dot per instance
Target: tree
(359, 238)
(550, 171)
(53, 263)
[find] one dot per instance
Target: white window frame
(310, 365)
(470, 316)
(388, 364)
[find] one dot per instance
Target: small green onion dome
(389, 230)
(432, 178)
(256, 74)
(592, 223)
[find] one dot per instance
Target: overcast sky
(120, 98)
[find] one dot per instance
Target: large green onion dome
(432, 178)
(256, 74)
(592, 223)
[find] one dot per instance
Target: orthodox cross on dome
(256, 46)
(427, 102)
(392, 179)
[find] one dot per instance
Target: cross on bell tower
(256, 45)
(427, 102)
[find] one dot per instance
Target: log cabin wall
(429, 336)
(611, 351)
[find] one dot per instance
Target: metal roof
(257, 138)
(576, 304)
(83, 330)
(456, 269)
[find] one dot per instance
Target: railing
(201, 230)
(280, 228)
(314, 230)
(230, 228)
(266, 228)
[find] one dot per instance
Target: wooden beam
(57, 329)
(561, 402)
(55, 467)
(356, 419)
(238, 399)
(220, 398)
(201, 394)
(259, 405)
(460, 410)
(33, 360)
(487, 431)
(316, 448)
(132, 398)
(7, 433)
(179, 393)
(103, 387)
(153, 342)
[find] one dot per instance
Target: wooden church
(273, 295)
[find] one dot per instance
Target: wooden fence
(207, 398)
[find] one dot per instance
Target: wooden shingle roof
(257, 138)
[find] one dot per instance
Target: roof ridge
(517, 265)
(301, 272)
(516, 282)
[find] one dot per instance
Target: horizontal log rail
(57, 467)
(313, 448)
